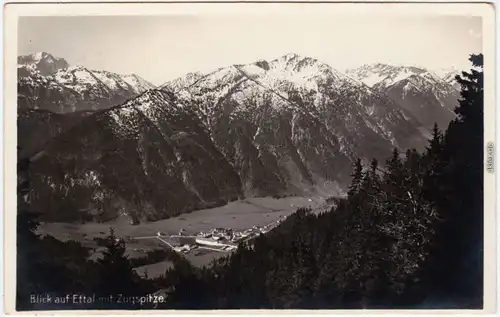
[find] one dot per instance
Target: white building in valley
(212, 242)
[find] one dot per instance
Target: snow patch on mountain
(139, 84)
(371, 79)
(448, 75)
(122, 115)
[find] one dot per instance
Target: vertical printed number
(490, 157)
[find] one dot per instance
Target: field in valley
(238, 215)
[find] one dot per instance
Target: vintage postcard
(278, 157)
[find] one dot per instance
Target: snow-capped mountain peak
(74, 87)
(139, 83)
(429, 97)
(295, 62)
(443, 71)
(373, 74)
(37, 58)
(448, 74)
(41, 63)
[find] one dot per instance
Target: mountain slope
(448, 75)
(292, 125)
(299, 115)
(428, 97)
(49, 83)
(36, 127)
(142, 160)
(53, 96)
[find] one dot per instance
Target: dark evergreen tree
(357, 177)
(458, 265)
(115, 272)
(435, 147)
(374, 168)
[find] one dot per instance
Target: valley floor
(237, 215)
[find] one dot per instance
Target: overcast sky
(162, 48)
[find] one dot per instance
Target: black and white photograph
(275, 157)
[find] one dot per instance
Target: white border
(12, 11)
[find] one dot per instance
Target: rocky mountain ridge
(429, 97)
(50, 83)
(289, 126)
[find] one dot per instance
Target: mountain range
(53, 96)
(430, 98)
(50, 83)
(288, 126)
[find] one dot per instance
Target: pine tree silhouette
(357, 177)
(459, 260)
(115, 272)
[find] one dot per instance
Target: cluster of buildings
(218, 239)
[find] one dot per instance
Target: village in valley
(217, 239)
(200, 236)
(199, 242)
